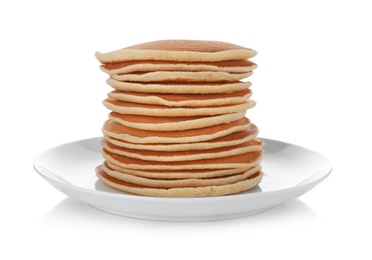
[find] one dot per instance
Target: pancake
(216, 190)
(182, 100)
(133, 135)
(246, 160)
(160, 123)
(172, 156)
(130, 108)
(228, 140)
(231, 66)
(182, 76)
(178, 174)
(171, 183)
(179, 87)
(178, 50)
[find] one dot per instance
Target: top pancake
(179, 50)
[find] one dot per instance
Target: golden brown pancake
(171, 156)
(160, 123)
(228, 140)
(133, 135)
(179, 50)
(183, 100)
(182, 76)
(246, 160)
(124, 107)
(179, 87)
(232, 66)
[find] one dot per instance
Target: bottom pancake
(215, 190)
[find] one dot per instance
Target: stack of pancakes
(177, 126)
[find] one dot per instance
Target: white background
(312, 88)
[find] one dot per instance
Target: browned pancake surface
(109, 146)
(148, 106)
(226, 63)
(117, 128)
(252, 131)
(187, 45)
(223, 162)
(152, 119)
(182, 97)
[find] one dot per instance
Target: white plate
(289, 171)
